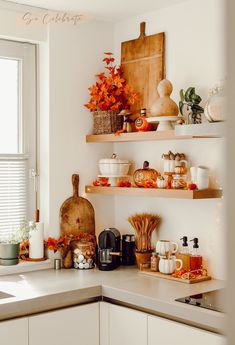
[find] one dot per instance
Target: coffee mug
(164, 246)
(168, 266)
(202, 177)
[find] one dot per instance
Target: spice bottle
(154, 262)
(141, 123)
(195, 257)
(184, 254)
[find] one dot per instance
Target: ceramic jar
(169, 265)
(114, 166)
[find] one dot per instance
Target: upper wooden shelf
(142, 136)
(155, 192)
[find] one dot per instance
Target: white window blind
(17, 134)
(13, 193)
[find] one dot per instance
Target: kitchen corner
(113, 188)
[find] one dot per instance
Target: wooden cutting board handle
(142, 30)
(75, 182)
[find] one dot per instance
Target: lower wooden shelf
(155, 192)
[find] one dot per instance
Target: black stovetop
(213, 300)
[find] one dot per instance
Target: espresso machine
(109, 253)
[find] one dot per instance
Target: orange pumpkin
(145, 174)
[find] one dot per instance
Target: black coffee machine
(109, 249)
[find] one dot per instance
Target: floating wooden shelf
(158, 193)
(142, 136)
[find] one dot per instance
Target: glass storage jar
(179, 182)
(215, 105)
(84, 255)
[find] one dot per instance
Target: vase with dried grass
(144, 225)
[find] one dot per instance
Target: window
(17, 134)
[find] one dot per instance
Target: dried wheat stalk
(144, 225)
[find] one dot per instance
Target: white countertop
(50, 289)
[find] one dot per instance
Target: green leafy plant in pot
(10, 246)
(189, 106)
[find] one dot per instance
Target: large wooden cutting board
(142, 62)
(76, 213)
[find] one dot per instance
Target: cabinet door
(14, 332)
(127, 326)
(75, 325)
(165, 332)
(104, 323)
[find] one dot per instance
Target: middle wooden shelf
(156, 192)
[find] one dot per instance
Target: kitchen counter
(40, 291)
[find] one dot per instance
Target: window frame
(26, 53)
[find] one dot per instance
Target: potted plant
(108, 96)
(189, 106)
(10, 247)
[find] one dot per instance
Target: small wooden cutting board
(76, 213)
(142, 61)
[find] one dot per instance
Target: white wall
(194, 56)
(69, 57)
(12, 26)
(75, 56)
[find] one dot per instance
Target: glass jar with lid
(84, 255)
(215, 105)
(179, 182)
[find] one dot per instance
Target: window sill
(25, 266)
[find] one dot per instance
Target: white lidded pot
(114, 166)
(169, 266)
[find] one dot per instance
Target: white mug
(202, 177)
(164, 246)
(168, 266)
(193, 172)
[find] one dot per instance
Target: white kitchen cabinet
(122, 326)
(14, 332)
(75, 325)
(166, 332)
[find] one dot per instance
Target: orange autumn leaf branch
(111, 91)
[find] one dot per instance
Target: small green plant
(21, 234)
(191, 100)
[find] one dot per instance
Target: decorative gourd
(146, 174)
(164, 105)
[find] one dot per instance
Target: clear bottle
(184, 254)
(195, 257)
(154, 262)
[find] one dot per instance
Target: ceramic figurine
(164, 105)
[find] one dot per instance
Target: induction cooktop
(213, 300)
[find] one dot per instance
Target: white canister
(164, 246)
(114, 166)
(168, 266)
(36, 242)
